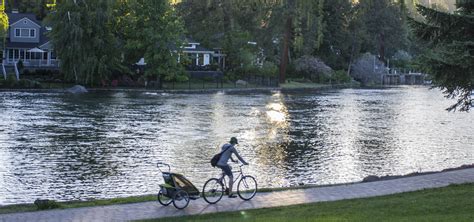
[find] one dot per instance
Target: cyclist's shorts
(226, 170)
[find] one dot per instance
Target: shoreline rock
(77, 89)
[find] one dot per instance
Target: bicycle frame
(240, 174)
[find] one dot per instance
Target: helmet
(233, 140)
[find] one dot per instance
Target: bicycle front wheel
(212, 191)
(247, 187)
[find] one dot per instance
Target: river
(106, 144)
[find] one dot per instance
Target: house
(196, 55)
(27, 41)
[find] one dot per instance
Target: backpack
(217, 157)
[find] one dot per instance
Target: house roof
(16, 17)
(197, 49)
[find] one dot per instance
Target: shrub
(27, 84)
(313, 68)
(46, 204)
(368, 69)
(341, 76)
(269, 69)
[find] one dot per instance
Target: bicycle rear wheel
(247, 187)
(212, 191)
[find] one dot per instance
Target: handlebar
(161, 164)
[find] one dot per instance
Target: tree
(226, 24)
(293, 11)
(82, 38)
(39, 7)
(340, 34)
(450, 55)
(154, 31)
(385, 29)
(3, 28)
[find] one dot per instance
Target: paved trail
(146, 210)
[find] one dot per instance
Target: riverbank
(438, 202)
(152, 197)
(287, 87)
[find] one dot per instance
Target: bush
(313, 68)
(341, 76)
(26, 72)
(269, 69)
(368, 70)
(27, 84)
(10, 81)
(46, 204)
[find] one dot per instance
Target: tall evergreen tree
(385, 28)
(450, 58)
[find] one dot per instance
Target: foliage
(385, 29)
(341, 76)
(3, 31)
(285, 30)
(368, 70)
(450, 55)
(401, 59)
(313, 68)
(37, 7)
(269, 69)
(46, 204)
(340, 33)
(82, 38)
(154, 32)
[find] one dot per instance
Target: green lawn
(453, 203)
(296, 85)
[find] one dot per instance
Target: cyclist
(227, 150)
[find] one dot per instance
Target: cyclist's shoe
(232, 196)
(226, 191)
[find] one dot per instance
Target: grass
(296, 85)
(453, 203)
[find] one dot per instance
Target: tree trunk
(382, 48)
(285, 52)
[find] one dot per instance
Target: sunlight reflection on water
(103, 145)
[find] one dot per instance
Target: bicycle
(214, 188)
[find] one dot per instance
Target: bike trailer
(175, 182)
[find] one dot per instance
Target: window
(22, 54)
(25, 33)
(16, 54)
(200, 60)
(10, 54)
